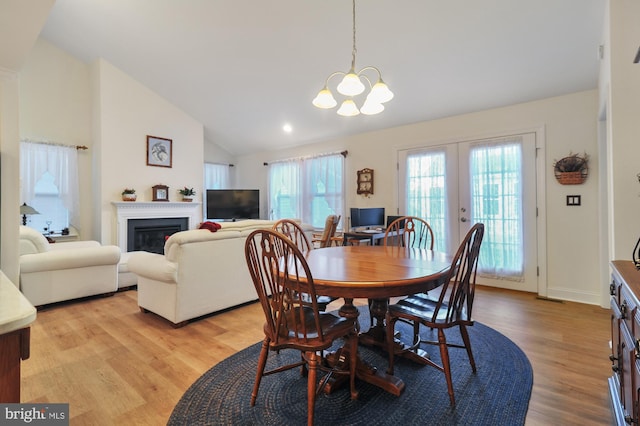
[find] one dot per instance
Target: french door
(490, 181)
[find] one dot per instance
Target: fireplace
(131, 211)
(150, 234)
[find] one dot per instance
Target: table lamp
(25, 210)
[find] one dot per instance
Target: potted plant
(572, 170)
(187, 193)
(129, 194)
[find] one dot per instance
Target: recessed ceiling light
(287, 128)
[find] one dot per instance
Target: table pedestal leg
(377, 334)
(364, 371)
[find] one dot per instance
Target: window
(49, 184)
(309, 189)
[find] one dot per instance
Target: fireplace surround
(126, 211)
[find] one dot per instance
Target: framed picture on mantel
(160, 193)
(159, 151)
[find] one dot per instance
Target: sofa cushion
(32, 241)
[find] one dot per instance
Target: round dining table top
(376, 271)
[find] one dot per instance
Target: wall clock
(365, 182)
(160, 193)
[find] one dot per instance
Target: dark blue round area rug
(498, 394)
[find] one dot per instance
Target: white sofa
(52, 273)
(200, 273)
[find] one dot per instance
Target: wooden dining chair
(279, 271)
(292, 230)
(409, 231)
(450, 309)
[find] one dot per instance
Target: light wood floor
(117, 366)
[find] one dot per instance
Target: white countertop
(15, 310)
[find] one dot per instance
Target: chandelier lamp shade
(352, 85)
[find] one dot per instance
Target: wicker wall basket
(572, 170)
(571, 178)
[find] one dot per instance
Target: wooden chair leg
(467, 346)
(446, 365)
(312, 360)
(262, 362)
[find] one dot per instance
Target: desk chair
(326, 239)
(451, 308)
(278, 270)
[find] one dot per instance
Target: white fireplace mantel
(126, 210)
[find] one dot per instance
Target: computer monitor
(367, 217)
(390, 219)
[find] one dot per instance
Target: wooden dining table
(376, 273)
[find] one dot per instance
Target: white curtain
(61, 162)
(308, 188)
(427, 192)
(216, 176)
(284, 190)
(496, 200)
(323, 193)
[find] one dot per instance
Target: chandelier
(352, 85)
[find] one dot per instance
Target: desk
(371, 236)
(375, 272)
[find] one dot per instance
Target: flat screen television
(367, 217)
(232, 204)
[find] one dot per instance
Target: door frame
(540, 170)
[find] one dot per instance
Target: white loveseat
(201, 272)
(52, 273)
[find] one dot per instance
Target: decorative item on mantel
(572, 170)
(187, 193)
(129, 194)
(160, 193)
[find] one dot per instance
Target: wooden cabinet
(14, 347)
(624, 384)
(16, 315)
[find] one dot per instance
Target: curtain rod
(219, 164)
(78, 147)
(343, 153)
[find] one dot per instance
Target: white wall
(567, 123)
(623, 126)
(9, 172)
(55, 105)
(127, 112)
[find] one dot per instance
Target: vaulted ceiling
(246, 68)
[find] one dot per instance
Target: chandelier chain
(353, 52)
